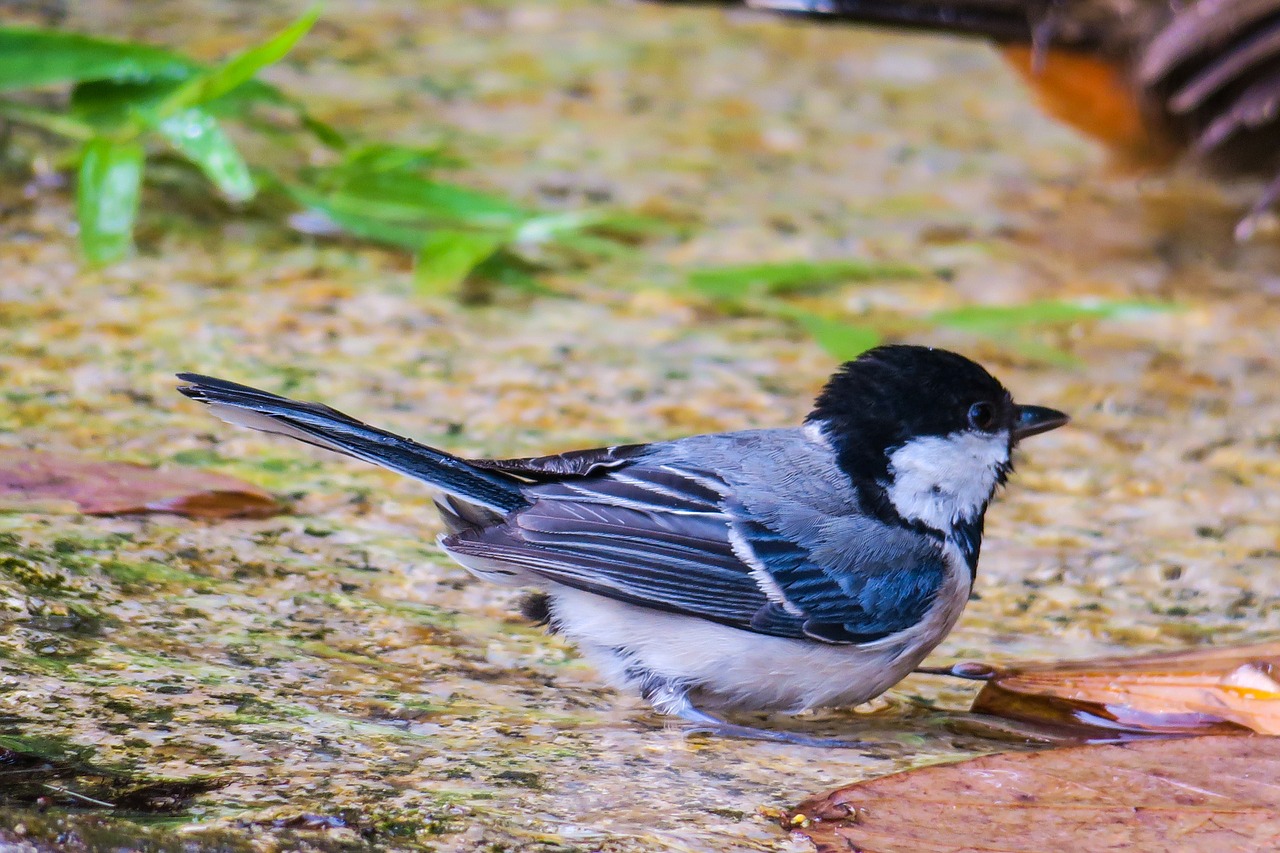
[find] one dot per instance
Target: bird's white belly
(728, 668)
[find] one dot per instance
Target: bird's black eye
(982, 416)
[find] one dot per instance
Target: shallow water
(331, 663)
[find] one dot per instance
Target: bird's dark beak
(1033, 420)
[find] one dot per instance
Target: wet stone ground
(325, 680)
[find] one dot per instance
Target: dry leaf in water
(1198, 795)
(1213, 691)
(30, 480)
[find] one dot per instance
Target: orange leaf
(1213, 691)
(1189, 795)
(34, 480)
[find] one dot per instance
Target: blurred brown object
(1156, 81)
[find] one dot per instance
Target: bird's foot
(672, 698)
(721, 728)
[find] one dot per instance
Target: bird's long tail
(328, 428)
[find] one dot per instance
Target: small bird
(765, 569)
(1154, 80)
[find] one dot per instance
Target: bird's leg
(671, 698)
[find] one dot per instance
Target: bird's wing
(574, 463)
(865, 580)
(655, 536)
(663, 536)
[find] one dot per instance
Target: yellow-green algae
(325, 680)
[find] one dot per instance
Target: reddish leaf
(117, 488)
(1213, 691)
(1219, 794)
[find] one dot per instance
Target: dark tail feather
(328, 428)
(1005, 20)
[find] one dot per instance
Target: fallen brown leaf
(1213, 691)
(38, 481)
(1199, 795)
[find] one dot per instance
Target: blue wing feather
(662, 536)
(883, 581)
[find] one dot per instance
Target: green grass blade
(107, 194)
(990, 318)
(776, 279)
(217, 82)
(842, 341)
(199, 138)
(355, 219)
(406, 160)
(31, 58)
(398, 197)
(68, 126)
(448, 257)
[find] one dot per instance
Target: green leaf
(110, 106)
(731, 282)
(509, 271)
(213, 84)
(1042, 352)
(328, 136)
(199, 138)
(391, 157)
(842, 341)
(107, 195)
(349, 216)
(448, 257)
(33, 57)
(991, 318)
(61, 125)
(405, 198)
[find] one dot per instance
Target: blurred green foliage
(777, 290)
(126, 103)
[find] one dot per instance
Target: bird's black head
(930, 428)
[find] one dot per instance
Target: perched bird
(767, 569)
(1155, 80)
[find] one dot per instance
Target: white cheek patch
(942, 480)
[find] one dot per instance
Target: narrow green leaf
(219, 81)
(987, 318)
(448, 257)
(67, 126)
(791, 277)
(585, 247)
(842, 341)
(107, 193)
(33, 57)
(325, 133)
(351, 217)
(200, 139)
(399, 197)
(1042, 352)
(507, 270)
(412, 160)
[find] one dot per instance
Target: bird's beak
(1033, 420)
